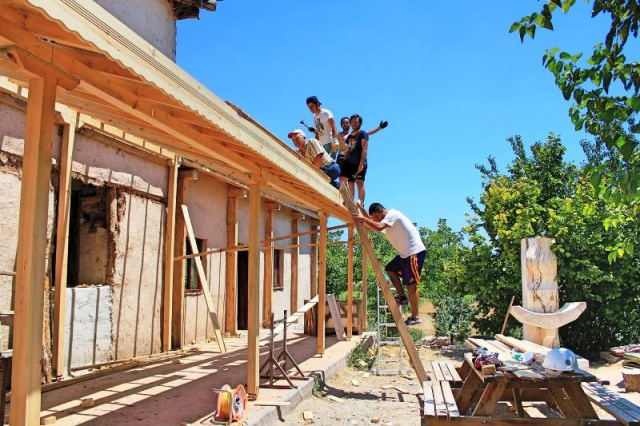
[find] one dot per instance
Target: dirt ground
(354, 397)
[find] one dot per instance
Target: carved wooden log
(539, 287)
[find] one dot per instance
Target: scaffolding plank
(335, 314)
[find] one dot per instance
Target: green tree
(541, 195)
(603, 86)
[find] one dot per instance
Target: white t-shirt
(402, 234)
(321, 123)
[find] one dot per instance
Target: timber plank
(203, 279)
(384, 286)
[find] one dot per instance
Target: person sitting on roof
(315, 153)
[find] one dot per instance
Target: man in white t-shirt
(405, 238)
(324, 126)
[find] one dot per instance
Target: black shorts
(349, 171)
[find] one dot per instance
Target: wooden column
(322, 283)
(314, 260)
(295, 255)
(365, 322)
(253, 326)
(31, 253)
(169, 252)
(231, 257)
(180, 249)
(539, 287)
(62, 244)
(350, 281)
(268, 267)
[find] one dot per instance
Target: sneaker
(413, 321)
(402, 300)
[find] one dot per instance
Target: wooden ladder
(386, 291)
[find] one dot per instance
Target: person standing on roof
(405, 238)
(354, 167)
(345, 124)
(324, 126)
(313, 151)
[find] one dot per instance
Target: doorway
(243, 290)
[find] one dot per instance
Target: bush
(361, 358)
(454, 317)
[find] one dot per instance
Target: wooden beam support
(313, 282)
(253, 323)
(62, 246)
(295, 255)
(169, 252)
(31, 253)
(350, 247)
(180, 249)
(231, 272)
(322, 283)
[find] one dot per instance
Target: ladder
(383, 338)
(414, 358)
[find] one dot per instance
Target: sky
(450, 79)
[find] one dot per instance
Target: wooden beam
(313, 270)
(365, 272)
(253, 326)
(169, 251)
(188, 174)
(62, 246)
(231, 257)
(350, 281)
(267, 280)
(31, 253)
(177, 298)
(322, 283)
(412, 352)
(202, 276)
(295, 255)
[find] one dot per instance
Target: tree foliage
(541, 195)
(604, 87)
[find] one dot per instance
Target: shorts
(349, 170)
(409, 268)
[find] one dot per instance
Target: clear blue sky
(447, 75)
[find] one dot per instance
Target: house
(103, 139)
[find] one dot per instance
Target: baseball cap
(312, 99)
(294, 132)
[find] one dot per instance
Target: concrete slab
(172, 393)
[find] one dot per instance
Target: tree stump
(631, 378)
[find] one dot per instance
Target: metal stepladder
(383, 325)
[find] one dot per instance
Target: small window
(278, 269)
(191, 281)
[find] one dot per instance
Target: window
(278, 269)
(191, 282)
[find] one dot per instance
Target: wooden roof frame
(107, 71)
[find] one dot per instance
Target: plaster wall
(12, 124)
(88, 326)
(151, 19)
(280, 300)
(207, 201)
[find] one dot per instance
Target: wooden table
(479, 395)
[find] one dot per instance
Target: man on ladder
(405, 238)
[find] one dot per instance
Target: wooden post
(268, 269)
(253, 323)
(231, 257)
(31, 253)
(295, 255)
(314, 260)
(169, 252)
(539, 287)
(350, 281)
(177, 298)
(322, 283)
(62, 245)
(365, 319)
